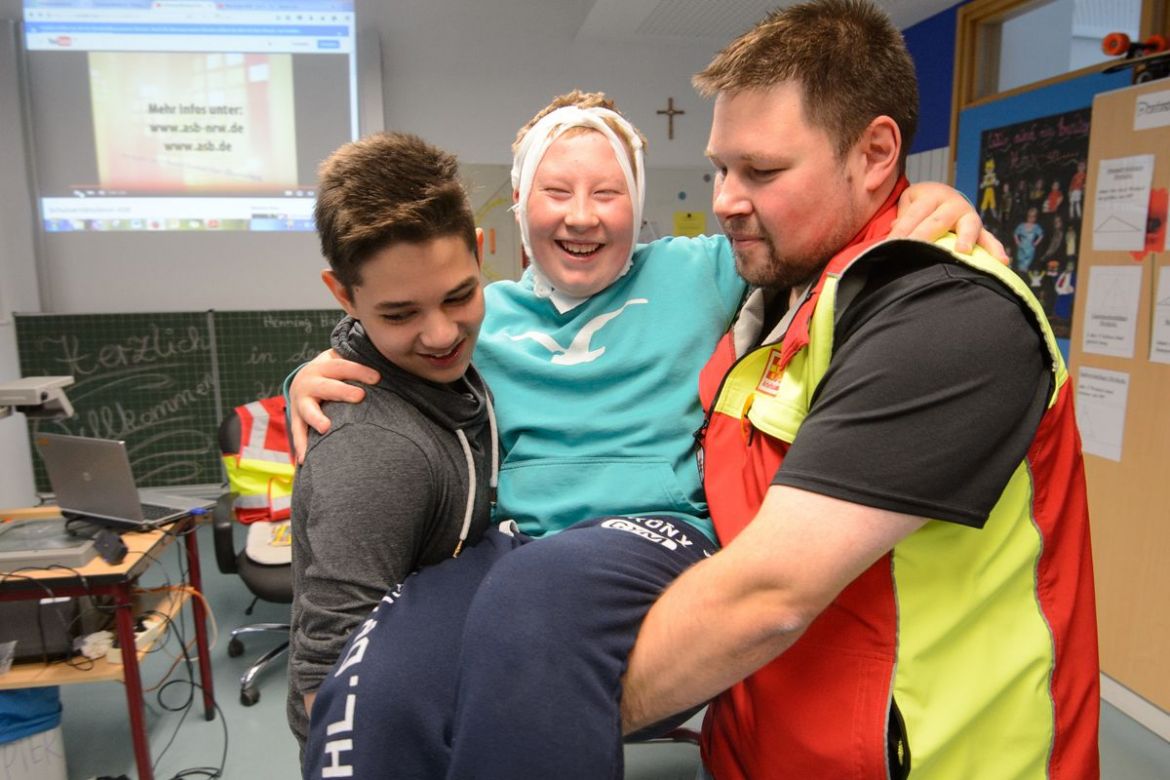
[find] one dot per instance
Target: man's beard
(789, 271)
(776, 273)
(782, 273)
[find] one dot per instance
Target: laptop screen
(92, 477)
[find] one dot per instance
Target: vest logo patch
(770, 381)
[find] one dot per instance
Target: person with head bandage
(530, 149)
(593, 358)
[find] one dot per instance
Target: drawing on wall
(1031, 196)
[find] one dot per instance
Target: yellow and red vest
(984, 638)
(261, 473)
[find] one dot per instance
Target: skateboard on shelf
(1150, 59)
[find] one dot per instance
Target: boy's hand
(322, 380)
(927, 210)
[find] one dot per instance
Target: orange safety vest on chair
(261, 472)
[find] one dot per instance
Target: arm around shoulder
(324, 378)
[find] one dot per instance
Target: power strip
(153, 628)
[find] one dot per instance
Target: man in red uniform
(892, 461)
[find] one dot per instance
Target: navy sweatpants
(503, 663)
(385, 708)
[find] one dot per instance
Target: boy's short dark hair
(384, 189)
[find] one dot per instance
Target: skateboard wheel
(1114, 44)
(1157, 43)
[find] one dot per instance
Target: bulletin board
(1032, 142)
(1120, 338)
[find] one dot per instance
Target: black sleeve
(937, 384)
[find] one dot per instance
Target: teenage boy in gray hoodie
(402, 479)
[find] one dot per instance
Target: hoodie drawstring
(470, 491)
(471, 480)
(495, 434)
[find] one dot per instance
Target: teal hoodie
(597, 406)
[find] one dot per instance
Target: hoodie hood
(457, 406)
(461, 404)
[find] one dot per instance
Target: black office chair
(271, 583)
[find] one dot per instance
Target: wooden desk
(117, 581)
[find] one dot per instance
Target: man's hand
(323, 379)
(928, 210)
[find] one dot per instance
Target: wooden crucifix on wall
(671, 112)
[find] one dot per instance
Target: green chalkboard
(256, 350)
(162, 382)
(148, 379)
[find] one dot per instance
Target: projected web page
(187, 115)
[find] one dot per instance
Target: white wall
(18, 274)
(929, 165)
(466, 86)
(469, 87)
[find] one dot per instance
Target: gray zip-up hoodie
(401, 480)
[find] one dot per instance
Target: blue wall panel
(932, 45)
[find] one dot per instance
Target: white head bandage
(532, 150)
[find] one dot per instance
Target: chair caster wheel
(235, 648)
(249, 696)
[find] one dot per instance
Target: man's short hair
(384, 189)
(849, 58)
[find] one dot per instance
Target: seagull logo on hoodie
(578, 350)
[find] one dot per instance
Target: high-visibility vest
(261, 473)
(989, 674)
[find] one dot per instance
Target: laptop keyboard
(156, 512)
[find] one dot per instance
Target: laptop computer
(92, 480)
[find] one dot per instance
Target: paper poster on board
(1101, 400)
(1152, 110)
(1111, 310)
(1160, 334)
(1122, 203)
(690, 223)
